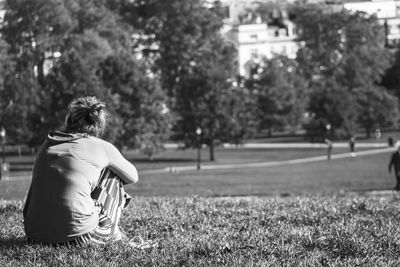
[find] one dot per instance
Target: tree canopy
(347, 51)
(60, 50)
(165, 69)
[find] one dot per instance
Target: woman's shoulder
(96, 140)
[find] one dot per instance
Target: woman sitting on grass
(59, 208)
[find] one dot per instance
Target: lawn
(361, 173)
(310, 214)
(316, 230)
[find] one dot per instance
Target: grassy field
(317, 230)
(310, 214)
(362, 173)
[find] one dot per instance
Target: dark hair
(86, 115)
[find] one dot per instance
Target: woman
(59, 208)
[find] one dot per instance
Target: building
(2, 10)
(256, 37)
(388, 13)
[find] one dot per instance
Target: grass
(314, 230)
(327, 217)
(350, 174)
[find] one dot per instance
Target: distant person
(59, 209)
(395, 162)
(352, 144)
(378, 133)
(329, 146)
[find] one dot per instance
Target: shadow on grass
(390, 190)
(12, 242)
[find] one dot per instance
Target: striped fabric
(110, 195)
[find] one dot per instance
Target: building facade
(255, 37)
(388, 13)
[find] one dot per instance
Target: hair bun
(86, 115)
(96, 107)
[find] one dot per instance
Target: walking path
(304, 145)
(269, 163)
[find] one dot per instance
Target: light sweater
(66, 169)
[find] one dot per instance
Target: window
(283, 50)
(271, 33)
(254, 36)
(254, 53)
(282, 32)
(226, 12)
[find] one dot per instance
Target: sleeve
(121, 166)
(391, 163)
(27, 201)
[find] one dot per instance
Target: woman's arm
(122, 167)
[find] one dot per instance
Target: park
(261, 135)
(290, 212)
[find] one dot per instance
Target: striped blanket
(110, 194)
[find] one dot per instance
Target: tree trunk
(368, 132)
(212, 158)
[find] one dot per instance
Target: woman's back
(66, 170)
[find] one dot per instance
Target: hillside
(313, 230)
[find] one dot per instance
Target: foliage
(195, 64)
(365, 59)
(19, 99)
(61, 50)
(282, 94)
(208, 99)
(179, 28)
(378, 108)
(391, 79)
(345, 50)
(140, 103)
(27, 40)
(331, 104)
(302, 231)
(51, 27)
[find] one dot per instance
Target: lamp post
(328, 141)
(3, 141)
(198, 133)
(3, 136)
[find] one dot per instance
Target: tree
(64, 49)
(29, 29)
(282, 94)
(196, 66)
(18, 101)
(331, 104)
(33, 30)
(145, 119)
(391, 79)
(207, 99)
(178, 28)
(346, 49)
(378, 109)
